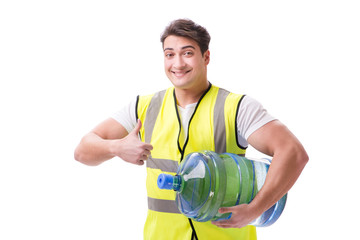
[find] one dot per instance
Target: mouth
(180, 74)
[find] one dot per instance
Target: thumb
(137, 128)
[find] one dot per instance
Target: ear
(207, 57)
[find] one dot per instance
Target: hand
(131, 149)
(241, 216)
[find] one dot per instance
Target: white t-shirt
(251, 116)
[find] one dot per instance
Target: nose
(179, 62)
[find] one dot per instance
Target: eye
(169, 54)
(188, 53)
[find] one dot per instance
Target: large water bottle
(206, 181)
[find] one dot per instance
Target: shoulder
(249, 103)
(231, 98)
(251, 116)
(147, 98)
(143, 102)
(126, 115)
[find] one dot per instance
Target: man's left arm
(289, 159)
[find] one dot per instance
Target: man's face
(185, 66)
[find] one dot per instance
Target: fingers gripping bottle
(206, 181)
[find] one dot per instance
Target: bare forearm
(101, 145)
(289, 159)
(93, 150)
(284, 170)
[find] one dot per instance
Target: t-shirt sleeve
(251, 116)
(126, 116)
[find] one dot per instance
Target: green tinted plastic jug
(206, 181)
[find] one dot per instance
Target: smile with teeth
(180, 73)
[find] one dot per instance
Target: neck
(188, 96)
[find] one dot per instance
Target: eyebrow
(184, 47)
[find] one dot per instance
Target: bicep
(110, 129)
(272, 137)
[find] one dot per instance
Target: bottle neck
(169, 182)
(177, 183)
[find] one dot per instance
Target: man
(192, 116)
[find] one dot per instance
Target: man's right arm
(110, 139)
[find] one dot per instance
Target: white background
(67, 65)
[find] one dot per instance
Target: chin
(181, 84)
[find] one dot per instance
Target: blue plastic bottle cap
(165, 181)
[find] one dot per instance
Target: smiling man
(191, 116)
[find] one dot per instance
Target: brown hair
(189, 29)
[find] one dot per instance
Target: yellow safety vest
(211, 127)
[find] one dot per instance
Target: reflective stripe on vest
(161, 205)
(162, 128)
